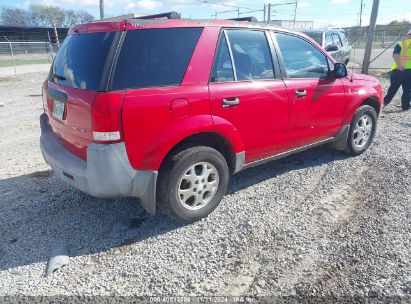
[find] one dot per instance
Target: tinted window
(223, 68)
(251, 54)
(316, 36)
(81, 60)
(154, 57)
(301, 59)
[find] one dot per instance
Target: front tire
(192, 183)
(362, 130)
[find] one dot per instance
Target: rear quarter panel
(149, 127)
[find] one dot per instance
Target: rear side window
(223, 67)
(154, 57)
(82, 61)
(343, 37)
(251, 54)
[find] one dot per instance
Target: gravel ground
(315, 226)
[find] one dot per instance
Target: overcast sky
(322, 12)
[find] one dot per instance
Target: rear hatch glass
(316, 36)
(81, 61)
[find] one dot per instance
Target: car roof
(311, 30)
(134, 23)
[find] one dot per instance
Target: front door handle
(231, 102)
(300, 93)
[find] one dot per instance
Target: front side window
(251, 54)
(301, 59)
(154, 57)
(328, 39)
(337, 40)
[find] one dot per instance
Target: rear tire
(192, 183)
(362, 130)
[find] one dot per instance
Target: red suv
(167, 110)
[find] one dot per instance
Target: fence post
(57, 35)
(51, 51)
(51, 46)
(12, 56)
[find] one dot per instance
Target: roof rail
(169, 15)
(248, 19)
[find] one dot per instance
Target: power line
(228, 5)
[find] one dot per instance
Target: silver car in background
(334, 41)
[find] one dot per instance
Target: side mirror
(331, 48)
(340, 70)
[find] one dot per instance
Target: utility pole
(295, 12)
(264, 11)
(361, 12)
(101, 9)
(370, 37)
(269, 13)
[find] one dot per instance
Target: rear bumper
(107, 173)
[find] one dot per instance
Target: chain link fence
(385, 38)
(19, 57)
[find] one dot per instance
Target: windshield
(81, 60)
(316, 36)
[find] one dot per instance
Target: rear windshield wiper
(59, 77)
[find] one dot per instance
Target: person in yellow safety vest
(401, 73)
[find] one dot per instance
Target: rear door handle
(300, 93)
(231, 102)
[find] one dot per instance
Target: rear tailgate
(79, 71)
(72, 127)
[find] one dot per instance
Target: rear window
(316, 36)
(154, 57)
(81, 61)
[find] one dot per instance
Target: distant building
(300, 24)
(30, 34)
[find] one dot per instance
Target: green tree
(43, 16)
(14, 16)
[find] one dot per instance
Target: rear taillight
(106, 117)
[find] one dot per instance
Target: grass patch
(9, 62)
